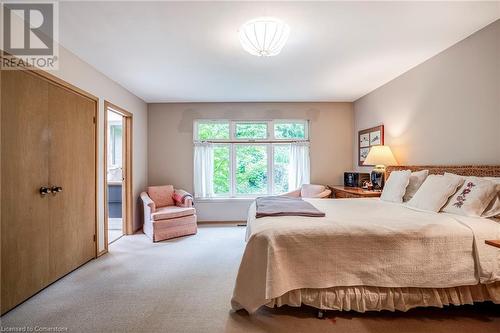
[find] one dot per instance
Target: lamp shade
(380, 155)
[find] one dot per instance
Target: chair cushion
(172, 212)
(310, 190)
(161, 195)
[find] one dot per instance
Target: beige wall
(77, 72)
(170, 141)
(444, 111)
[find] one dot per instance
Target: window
(251, 131)
(290, 130)
(251, 169)
(281, 157)
(250, 158)
(221, 177)
(213, 131)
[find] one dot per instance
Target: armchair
(309, 191)
(168, 213)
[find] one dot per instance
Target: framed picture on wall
(366, 139)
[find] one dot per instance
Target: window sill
(222, 200)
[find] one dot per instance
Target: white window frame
(270, 142)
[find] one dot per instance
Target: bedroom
(202, 113)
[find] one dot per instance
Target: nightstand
(495, 243)
(339, 191)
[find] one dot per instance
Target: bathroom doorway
(118, 125)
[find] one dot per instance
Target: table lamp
(380, 156)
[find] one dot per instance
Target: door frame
(127, 208)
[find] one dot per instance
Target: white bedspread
(363, 242)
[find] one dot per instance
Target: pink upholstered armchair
(309, 191)
(168, 213)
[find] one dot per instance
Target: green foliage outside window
(251, 131)
(289, 131)
(221, 170)
(281, 161)
(251, 169)
(213, 131)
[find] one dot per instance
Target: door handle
(56, 189)
(45, 190)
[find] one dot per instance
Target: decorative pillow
(435, 191)
(472, 197)
(493, 209)
(162, 195)
(395, 186)
(416, 180)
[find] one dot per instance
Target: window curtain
(298, 169)
(203, 170)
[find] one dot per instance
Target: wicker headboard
(464, 170)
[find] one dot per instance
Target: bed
(367, 254)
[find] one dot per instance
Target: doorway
(118, 175)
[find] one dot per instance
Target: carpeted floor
(185, 285)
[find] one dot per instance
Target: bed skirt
(362, 298)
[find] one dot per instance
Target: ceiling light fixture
(264, 36)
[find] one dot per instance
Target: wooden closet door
(72, 167)
(24, 169)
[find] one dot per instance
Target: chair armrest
(148, 203)
(293, 194)
(325, 194)
(182, 198)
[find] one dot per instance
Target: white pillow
(435, 191)
(416, 180)
(395, 186)
(493, 209)
(472, 197)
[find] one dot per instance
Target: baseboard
(221, 222)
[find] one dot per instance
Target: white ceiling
(190, 52)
